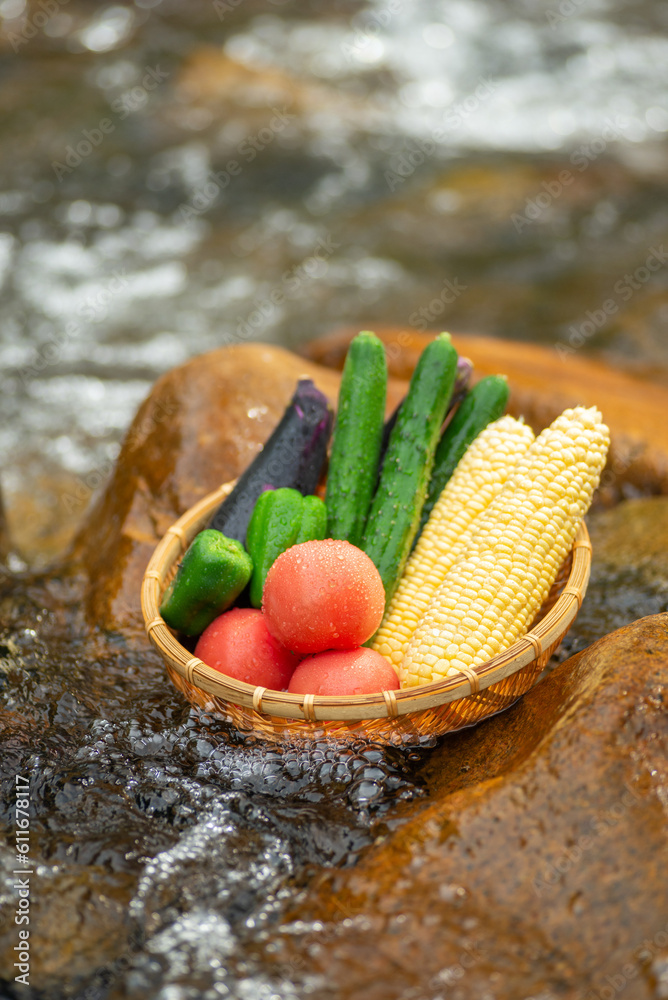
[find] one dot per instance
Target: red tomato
(323, 595)
(239, 644)
(348, 671)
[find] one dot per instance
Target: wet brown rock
(201, 425)
(539, 864)
(542, 386)
(634, 535)
(78, 924)
(43, 521)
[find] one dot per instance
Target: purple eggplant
(293, 456)
(464, 372)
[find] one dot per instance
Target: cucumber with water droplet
(358, 433)
(397, 505)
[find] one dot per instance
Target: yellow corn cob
(478, 478)
(493, 592)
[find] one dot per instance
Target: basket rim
(321, 708)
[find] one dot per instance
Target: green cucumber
(397, 505)
(485, 402)
(358, 433)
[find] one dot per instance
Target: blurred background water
(175, 176)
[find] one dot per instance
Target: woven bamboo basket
(398, 717)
